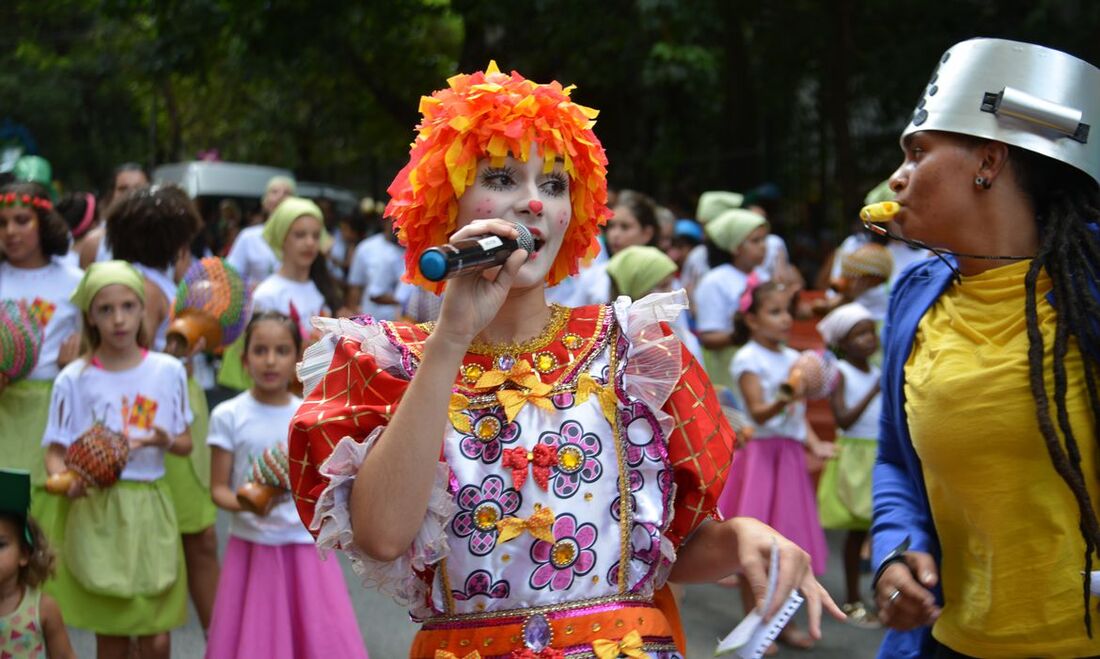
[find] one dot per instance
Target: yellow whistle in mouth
(880, 213)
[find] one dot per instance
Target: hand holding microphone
(474, 254)
(472, 301)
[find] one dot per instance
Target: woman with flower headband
(33, 240)
(524, 477)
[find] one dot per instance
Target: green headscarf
(879, 193)
(637, 270)
(105, 273)
(289, 210)
(732, 227)
(714, 203)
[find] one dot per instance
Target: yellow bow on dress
(630, 646)
(539, 524)
(443, 654)
(460, 421)
(521, 373)
(587, 385)
(533, 389)
(513, 400)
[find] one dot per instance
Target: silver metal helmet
(1033, 97)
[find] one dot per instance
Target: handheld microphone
(474, 254)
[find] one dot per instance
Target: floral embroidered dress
(572, 468)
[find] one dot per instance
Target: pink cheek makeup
(563, 219)
(485, 209)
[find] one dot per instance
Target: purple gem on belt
(537, 633)
(506, 362)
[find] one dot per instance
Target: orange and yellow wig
(493, 115)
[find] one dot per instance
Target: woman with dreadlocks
(986, 486)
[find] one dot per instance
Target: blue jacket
(900, 499)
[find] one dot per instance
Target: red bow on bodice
(541, 458)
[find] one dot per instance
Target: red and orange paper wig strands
(491, 115)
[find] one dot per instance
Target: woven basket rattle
(20, 339)
(270, 479)
(97, 458)
(212, 302)
(869, 260)
(814, 374)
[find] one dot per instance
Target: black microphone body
(473, 254)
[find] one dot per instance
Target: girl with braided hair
(525, 477)
(987, 486)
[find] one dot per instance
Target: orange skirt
(571, 630)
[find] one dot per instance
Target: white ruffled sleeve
(333, 432)
(653, 358)
(332, 524)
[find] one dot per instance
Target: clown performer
(524, 477)
(985, 491)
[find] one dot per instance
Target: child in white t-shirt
(302, 287)
(769, 480)
(736, 243)
(32, 239)
(375, 275)
(273, 584)
(121, 570)
(844, 492)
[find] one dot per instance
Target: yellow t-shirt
(1007, 523)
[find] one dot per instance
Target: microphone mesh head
(525, 240)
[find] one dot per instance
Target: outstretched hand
(754, 547)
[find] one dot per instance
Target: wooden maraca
(270, 479)
(97, 458)
(212, 303)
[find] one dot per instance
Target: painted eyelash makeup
(560, 183)
(490, 178)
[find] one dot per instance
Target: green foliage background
(694, 95)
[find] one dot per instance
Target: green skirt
(844, 491)
(120, 562)
(717, 365)
(188, 478)
(24, 411)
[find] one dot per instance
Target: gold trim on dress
(559, 316)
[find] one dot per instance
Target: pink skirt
(769, 482)
(282, 601)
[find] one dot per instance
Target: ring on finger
(893, 596)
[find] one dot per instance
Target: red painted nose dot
(535, 205)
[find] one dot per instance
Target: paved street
(709, 612)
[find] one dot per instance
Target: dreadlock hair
(1066, 202)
